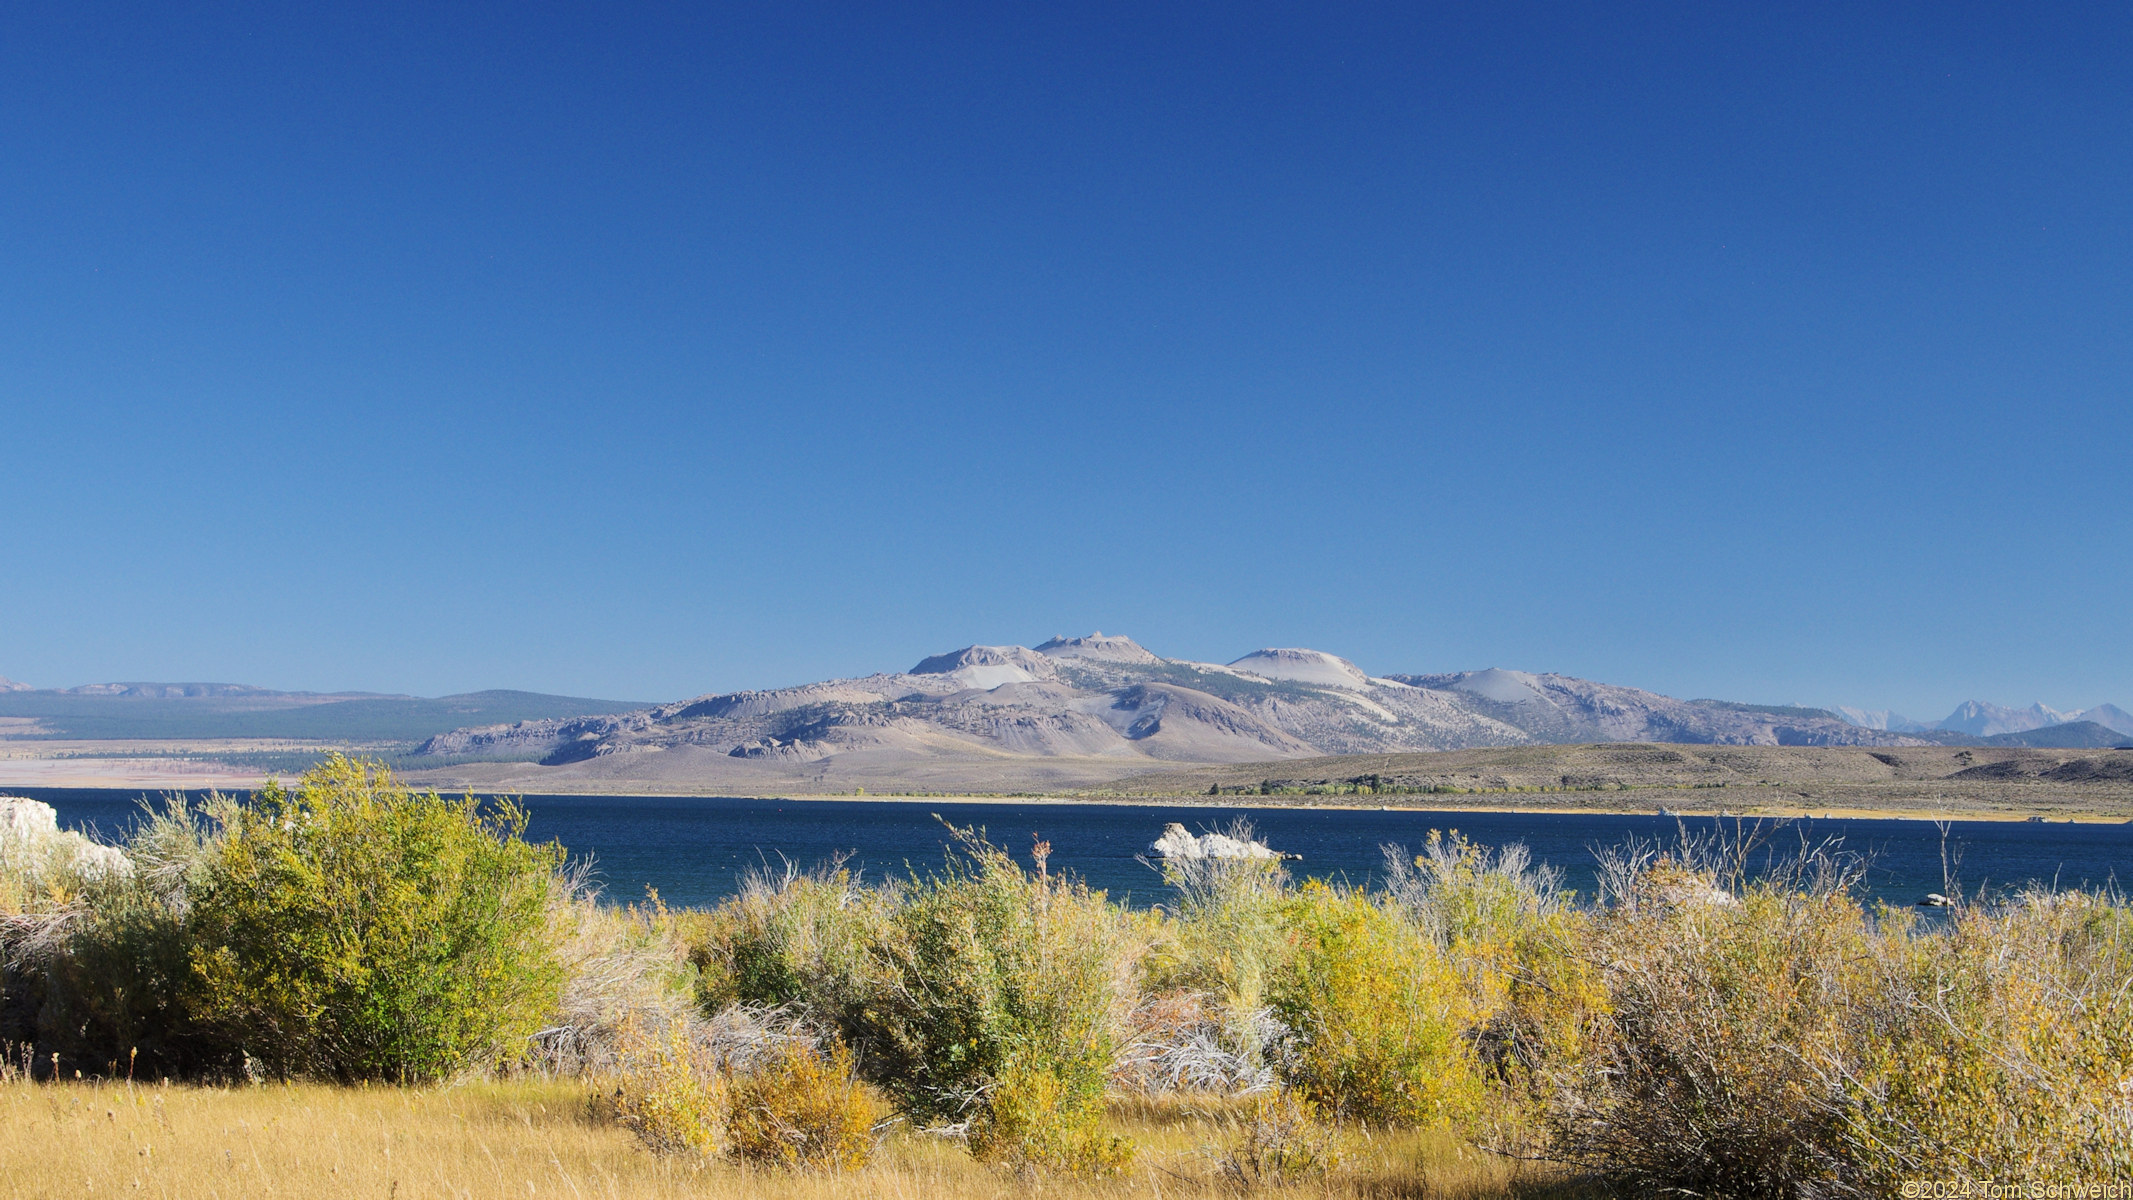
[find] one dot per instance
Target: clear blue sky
(1773, 353)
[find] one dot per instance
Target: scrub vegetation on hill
(1632, 776)
(1466, 1029)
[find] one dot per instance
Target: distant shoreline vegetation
(1374, 785)
(290, 763)
(1706, 1026)
(231, 712)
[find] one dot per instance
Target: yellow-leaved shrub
(1377, 1011)
(802, 1107)
(1038, 1118)
(668, 1091)
(1999, 1047)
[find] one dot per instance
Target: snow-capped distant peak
(1982, 719)
(1878, 718)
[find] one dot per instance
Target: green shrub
(798, 937)
(979, 986)
(356, 929)
(1518, 944)
(985, 967)
(98, 964)
(113, 996)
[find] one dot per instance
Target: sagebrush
(1698, 1028)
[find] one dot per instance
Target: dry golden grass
(537, 1139)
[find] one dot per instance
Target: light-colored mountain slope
(1084, 710)
(1562, 708)
(1303, 666)
(2110, 716)
(1879, 718)
(1098, 648)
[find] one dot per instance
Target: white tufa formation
(1177, 842)
(33, 846)
(22, 819)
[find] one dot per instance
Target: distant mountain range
(1088, 708)
(1069, 711)
(132, 711)
(1972, 720)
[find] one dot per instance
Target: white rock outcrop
(1178, 842)
(22, 818)
(35, 849)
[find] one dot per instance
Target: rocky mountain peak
(1985, 719)
(1098, 647)
(2110, 716)
(988, 667)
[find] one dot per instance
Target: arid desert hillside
(1080, 712)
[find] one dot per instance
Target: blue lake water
(695, 849)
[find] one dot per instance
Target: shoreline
(1767, 800)
(1834, 812)
(2055, 815)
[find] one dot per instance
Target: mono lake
(694, 850)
